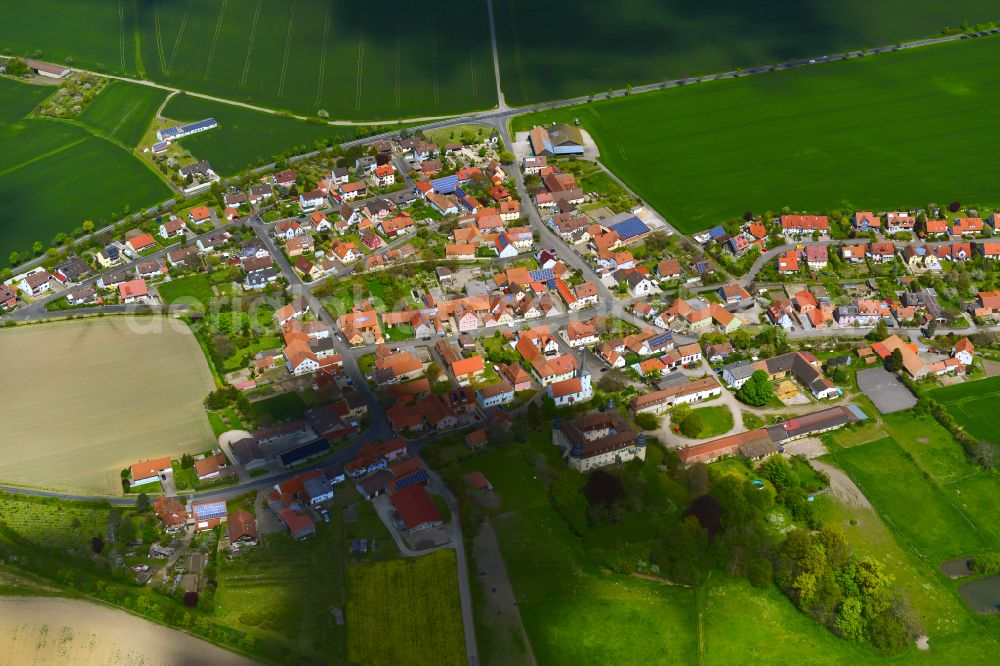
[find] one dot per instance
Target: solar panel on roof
(544, 275)
(209, 510)
(630, 228)
(445, 185)
(418, 477)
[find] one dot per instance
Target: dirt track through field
(84, 399)
(67, 631)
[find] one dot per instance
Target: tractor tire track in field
(215, 38)
(472, 69)
(38, 158)
(361, 65)
(322, 57)
(399, 57)
(288, 48)
(180, 36)
(121, 121)
(611, 132)
(159, 38)
(253, 35)
(434, 67)
(121, 32)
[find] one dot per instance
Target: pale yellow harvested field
(67, 631)
(80, 400)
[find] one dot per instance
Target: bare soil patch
(68, 631)
(842, 487)
(84, 399)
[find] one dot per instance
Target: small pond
(983, 596)
(957, 568)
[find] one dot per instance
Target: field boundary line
(159, 37)
(288, 49)
(215, 38)
(322, 57)
(180, 36)
(253, 36)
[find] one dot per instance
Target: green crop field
(301, 55)
(580, 47)
(124, 111)
(405, 612)
(55, 175)
(868, 132)
(972, 404)
(245, 137)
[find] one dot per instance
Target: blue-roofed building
(446, 185)
(171, 133)
(307, 451)
(630, 229)
(544, 275)
(160, 147)
(715, 233)
(701, 266)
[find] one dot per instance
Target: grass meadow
(405, 612)
(244, 137)
(811, 139)
(588, 48)
(921, 512)
(123, 111)
(54, 175)
(576, 611)
(973, 405)
(193, 289)
(85, 399)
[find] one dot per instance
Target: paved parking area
(885, 390)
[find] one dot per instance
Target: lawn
(192, 289)
(278, 408)
(85, 399)
(716, 420)
(589, 49)
(405, 612)
(245, 137)
(124, 111)
(827, 136)
(924, 515)
(973, 405)
(96, 178)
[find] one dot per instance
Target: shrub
(191, 599)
